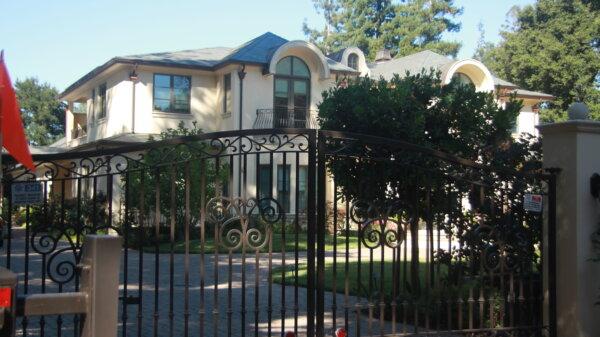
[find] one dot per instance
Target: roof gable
(257, 50)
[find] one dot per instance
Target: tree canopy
(42, 113)
(418, 109)
(552, 46)
(421, 188)
(403, 27)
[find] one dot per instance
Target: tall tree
(420, 24)
(553, 46)
(403, 27)
(43, 114)
(482, 52)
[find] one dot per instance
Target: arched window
(353, 61)
(291, 93)
(462, 79)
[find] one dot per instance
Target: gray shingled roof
(523, 92)
(413, 64)
(503, 83)
(206, 57)
(256, 51)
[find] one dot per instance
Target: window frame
(102, 92)
(93, 105)
(227, 94)
(284, 190)
(302, 195)
(353, 55)
(259, 181)
(171, 94)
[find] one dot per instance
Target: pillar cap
(578, 111)
(572, 126)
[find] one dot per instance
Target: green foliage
(167, 171)
(42, 113)
(70, 213)
(403, 27)
(453, 118)
(553, 46)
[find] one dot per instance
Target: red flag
(13, 135)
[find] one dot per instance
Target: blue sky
(59, 41)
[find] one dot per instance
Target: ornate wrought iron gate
(248, 233)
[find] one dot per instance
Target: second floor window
(101, 101)
(172, 93)
(227, 100)
(353, 61)
(93, 105)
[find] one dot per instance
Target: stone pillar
(573, 147)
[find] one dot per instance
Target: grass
(357, 286)
(290, 238)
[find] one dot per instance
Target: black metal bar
(215, 313)
(270, 257)
(126, 244)
(157, 215)
(141, 239)
(286, 190)
(244, 239)
(186, 263)
(202, 311)
(310, 238)
(173, 221)
(320, 231)
(296, 241)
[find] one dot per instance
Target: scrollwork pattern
(236, 221)
(61, 245)
(380, 225)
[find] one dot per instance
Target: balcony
(279, 118)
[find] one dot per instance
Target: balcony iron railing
(285, 118)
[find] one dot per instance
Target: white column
(573, 146)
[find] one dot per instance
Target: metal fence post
(311, 228)
(321, 224)
(100, 280)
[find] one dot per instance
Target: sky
(61, 40)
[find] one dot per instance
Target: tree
(42, 113)
(421, 188)
(553, 46)
(404, 28)
(168, 169)
(484, 47)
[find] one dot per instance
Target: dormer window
(353, 61)
(462, 79)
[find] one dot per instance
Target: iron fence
(253, 233)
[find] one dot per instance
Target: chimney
(383, 55)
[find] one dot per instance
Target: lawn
(356, 286)
(290, 243)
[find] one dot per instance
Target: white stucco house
(267, 82)
(129, 97)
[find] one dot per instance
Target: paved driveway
(231, 305)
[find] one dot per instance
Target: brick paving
(224, 305)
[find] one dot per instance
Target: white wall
(527, 121)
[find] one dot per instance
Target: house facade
(268, 82)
